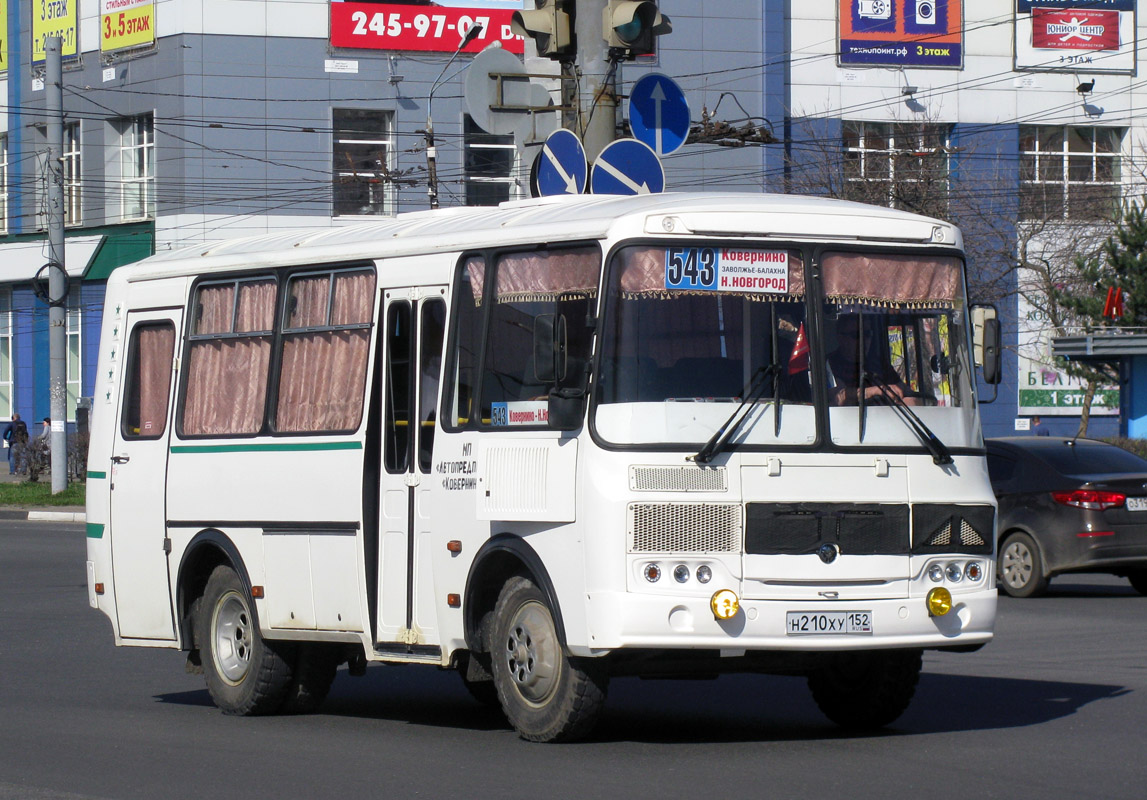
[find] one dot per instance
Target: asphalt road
(1055, 707)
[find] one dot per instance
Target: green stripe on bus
(265, 448)
(95, 531)
(97, 476)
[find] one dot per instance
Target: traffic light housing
(632, 25)
(549, 26)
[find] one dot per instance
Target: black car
(1067, 505)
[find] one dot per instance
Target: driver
(844, 367)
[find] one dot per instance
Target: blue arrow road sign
(562, 169)
(627, 166)
(659, 113)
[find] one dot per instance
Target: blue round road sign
(627, 166)
(659, 113)
(562, 167)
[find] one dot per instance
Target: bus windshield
(691, 331)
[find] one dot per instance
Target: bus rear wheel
(546, 695)
(246, 675)
(866, 690)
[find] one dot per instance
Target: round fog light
(725, 604)
(939, 601)
(704, 574)
(681, 573)
(955, 573)
(652, 573)
(936, 573)
(974, 571)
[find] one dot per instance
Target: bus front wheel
(246, 675)
(866, 690)
(546, 695)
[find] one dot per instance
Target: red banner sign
(383, 26)
(1071, 29)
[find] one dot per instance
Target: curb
(42, 516)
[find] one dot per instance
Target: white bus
(545, 444)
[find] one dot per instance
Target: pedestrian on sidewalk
(16, 435)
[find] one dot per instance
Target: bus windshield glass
(689, 332)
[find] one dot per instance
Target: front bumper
(630, 620)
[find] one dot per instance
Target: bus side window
(397, 428)
(148, 381)
(433, 326)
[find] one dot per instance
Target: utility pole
(57, 278)
(597, 111)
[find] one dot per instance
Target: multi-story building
(188, 121)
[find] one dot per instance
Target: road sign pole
(597, 101)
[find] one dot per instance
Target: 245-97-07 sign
(386, 26)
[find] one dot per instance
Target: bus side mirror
(986, 342)
(550, 346)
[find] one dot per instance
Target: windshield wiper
(937, 448)
(752, 393)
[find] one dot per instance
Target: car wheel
(1020, 567)
(866, 690)
(246, 674)
(1138, 580)
(546, 695)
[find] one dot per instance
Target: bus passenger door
(137, 510)
(415, 320)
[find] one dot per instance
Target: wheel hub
(532, 653)
(232, 638)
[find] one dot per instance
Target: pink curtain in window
(214, 309)
(155, 350)
(323, 374)
(256, 310)
(354, 298)
(892, 281)
(643, 274)
(226, 386)
(541, 276)
(322, 381)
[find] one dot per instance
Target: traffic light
(548, 26)
(631, 25)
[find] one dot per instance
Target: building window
(362, 152)
(75, 383)
(137, 166)
(1069, 172)
(489, 165)
(6, 383)
(899, 165)
(73, 214)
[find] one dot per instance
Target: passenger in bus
(844, 366)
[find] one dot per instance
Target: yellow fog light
(939, 601)
(725, 604)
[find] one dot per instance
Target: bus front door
(415, 321)
(138, 523)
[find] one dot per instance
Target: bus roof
(558, 219)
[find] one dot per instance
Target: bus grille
(942, 528)
(678, 479)
(684, 527)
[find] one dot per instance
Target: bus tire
(546, 695)
(866, 690)
(246, 675)
(314, 672)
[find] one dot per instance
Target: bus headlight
(955, 572)
(936, 573)
(725, 604)
(704, 573)
(681, 573)
(939, 601)
(973, 571)
(652, 573)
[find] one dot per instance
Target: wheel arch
(207, 550)
(499, 559)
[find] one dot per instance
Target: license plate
(1137, 503)
(828, 623)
